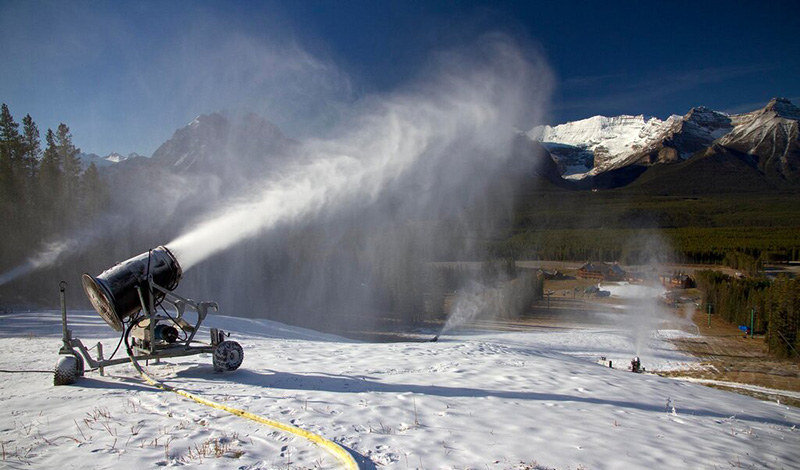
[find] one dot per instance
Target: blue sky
(125, 75)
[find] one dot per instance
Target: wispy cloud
(591, 80)
(702, 76)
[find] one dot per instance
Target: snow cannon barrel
(113, 293)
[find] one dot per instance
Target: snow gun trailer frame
(128, 297)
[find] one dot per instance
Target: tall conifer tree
(71, 170)
(49, 183)
(31, 147)
(9, 163)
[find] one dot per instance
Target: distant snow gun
(130, 297)
(636, 365)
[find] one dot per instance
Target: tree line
(742, 248)
(774, 307)
(43, 189)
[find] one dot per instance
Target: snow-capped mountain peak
(218, 142)
(584, 147)
(115, 157)
(784, 108)
(100, 162)
(772, 136)
(599, 144)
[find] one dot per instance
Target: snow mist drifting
(54, 252)
(470, 304)
(346, 225)
(461, 116)
(646, 311)
(47, 256)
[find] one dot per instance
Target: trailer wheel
(67, 370)
(228, 355)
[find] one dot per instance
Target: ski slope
(488, 400)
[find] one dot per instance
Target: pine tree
(31, 147)
(10, 173)
(783, 311)
(49, 184)
(9, 134)
(71, 172)
(94, 193)
(31, 154)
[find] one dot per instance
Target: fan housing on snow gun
(114, 293)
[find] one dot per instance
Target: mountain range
(714, 149)
(703, 151)
(110, 159)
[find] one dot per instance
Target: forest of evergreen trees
(44, 191)
(774, 306)
(743, 248)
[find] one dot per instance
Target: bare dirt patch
(728, 355)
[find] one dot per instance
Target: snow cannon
(114, 294)
(636, 365)
(131, 297)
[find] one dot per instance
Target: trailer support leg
(100, 358)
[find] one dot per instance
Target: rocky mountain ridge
(216, 141)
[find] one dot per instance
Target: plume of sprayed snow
(461, 114)
(47, 256)
(78, 242)
(470, 304)
(379, 171)
(646, 312)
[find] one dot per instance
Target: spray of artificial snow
(341, 224)
(461, 116)
(470, 304)
(47, 256)
(646, 312)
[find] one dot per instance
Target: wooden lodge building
(678, 280)
(602, 272)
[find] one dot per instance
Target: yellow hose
(342, 455)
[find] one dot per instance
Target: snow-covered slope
(521, 400)
(593, 145)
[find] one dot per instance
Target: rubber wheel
(228, 356)
(66, 371)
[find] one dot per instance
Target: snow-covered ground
(481, 400)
